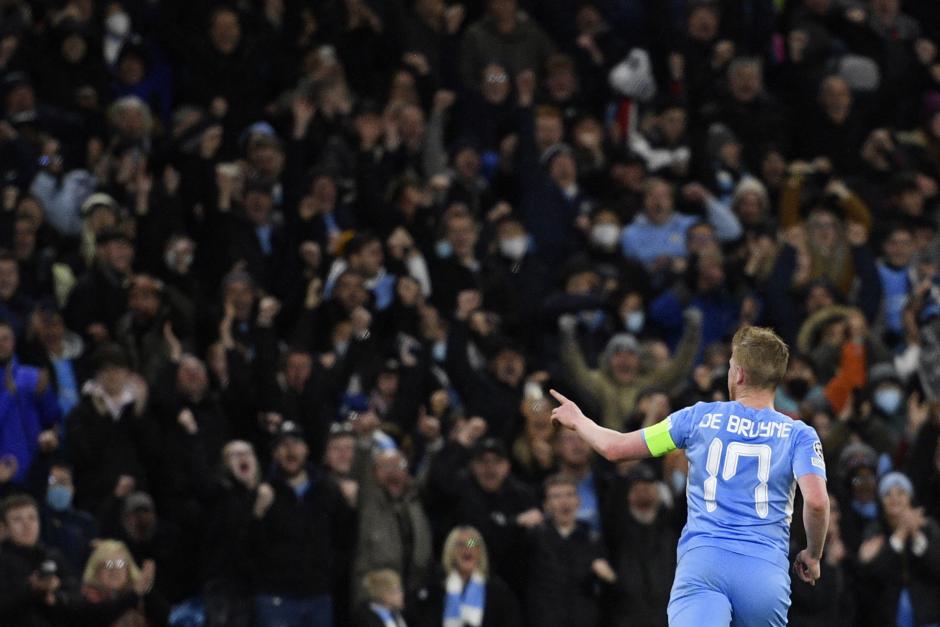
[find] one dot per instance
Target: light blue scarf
(464, 605)
(388, 618)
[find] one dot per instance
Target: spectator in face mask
(889, 398)
(459, 269)
(517, 280)
(800, 386)
(857, 466)
(68, 529)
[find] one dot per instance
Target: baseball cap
(289, 429)
(490, 445)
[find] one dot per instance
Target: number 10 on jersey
(735, 451)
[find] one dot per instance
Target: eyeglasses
(114, 565)
(497, 78)
(472, 543)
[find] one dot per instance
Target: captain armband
(658, 439)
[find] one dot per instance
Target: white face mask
(118, 24)
(605, 235)
(177, 261)
(514, 247)
(634, 321)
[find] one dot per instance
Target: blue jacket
(24, 413)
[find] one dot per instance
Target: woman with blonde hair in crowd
(111, 575)
(466, 594)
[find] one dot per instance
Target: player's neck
(755, 399)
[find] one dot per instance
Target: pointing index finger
(558, 397)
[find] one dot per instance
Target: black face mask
(797, 388)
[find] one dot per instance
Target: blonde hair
(449, 559)
(379, 582)
(108, 550)
(762, 355)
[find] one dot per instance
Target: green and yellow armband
(658, 439)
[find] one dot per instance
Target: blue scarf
(66, 383)
(464, 605)
(388, 618)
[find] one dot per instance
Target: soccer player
(745, 460)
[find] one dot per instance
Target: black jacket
(20, 605)
(294, 543)
(644, 558)
(226, 558)
(131, 443)
(457, 499)
(881, 580)
(98, 298)
(483, 394)
(561, 588)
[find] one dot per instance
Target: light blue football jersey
(743, 467)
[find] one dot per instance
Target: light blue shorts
(717, 588)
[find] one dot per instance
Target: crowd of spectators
(283, 285)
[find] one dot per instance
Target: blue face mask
(443, 249)
(888, 400)
(865, 510)
(59, 497)
(439, 352)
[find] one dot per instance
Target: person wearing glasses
(465, 593)
(112, 577)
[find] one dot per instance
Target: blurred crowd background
(283, 285)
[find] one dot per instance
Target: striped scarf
(464, 606)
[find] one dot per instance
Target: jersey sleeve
(670, 434)
(808, 454)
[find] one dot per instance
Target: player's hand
(567, 414)
(806, 567)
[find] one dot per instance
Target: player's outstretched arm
(816, 522)
(612, 445)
